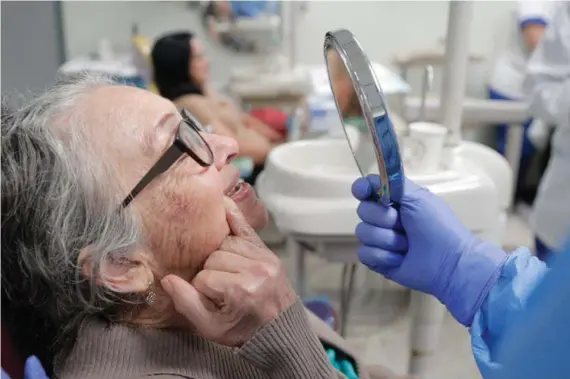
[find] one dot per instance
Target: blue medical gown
(522, 330)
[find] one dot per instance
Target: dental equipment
(273, 80)
(306, 187)
(481, 112)
(427, 84)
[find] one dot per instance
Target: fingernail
(166, 285)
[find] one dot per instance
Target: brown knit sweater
(286, 348)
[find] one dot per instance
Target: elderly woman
(124, 216)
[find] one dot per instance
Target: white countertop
(122, 65)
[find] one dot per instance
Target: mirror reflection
(243, 26)
(343, 89)
(350, 111)
(361, 105)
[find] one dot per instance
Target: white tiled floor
(379, 326)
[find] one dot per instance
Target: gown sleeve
(505, 302)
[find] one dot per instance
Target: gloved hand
(33, 369)
(425, 247)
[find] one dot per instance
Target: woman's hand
(242, 287)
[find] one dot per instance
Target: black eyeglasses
(188, 141)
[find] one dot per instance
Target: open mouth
(235, 189)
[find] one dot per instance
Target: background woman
(181, 73)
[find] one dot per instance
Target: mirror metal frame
(375, 111)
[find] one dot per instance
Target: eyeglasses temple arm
(163, 164)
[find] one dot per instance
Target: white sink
(306, 186)
(306, 182)
(310, 169)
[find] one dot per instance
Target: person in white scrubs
(506, 82)
(548, 87)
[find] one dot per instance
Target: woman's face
(199, 67)
(182, 209)
(341, 83)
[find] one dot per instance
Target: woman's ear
(130, 274)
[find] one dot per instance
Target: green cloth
(342, 365)
(245, 166)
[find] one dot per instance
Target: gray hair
(59, 197)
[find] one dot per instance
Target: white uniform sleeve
(534, 12)
(548, 72)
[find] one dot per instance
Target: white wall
(382, 27)
(30, 66)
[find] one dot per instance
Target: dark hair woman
(181, 73)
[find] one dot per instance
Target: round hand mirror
(361, 103)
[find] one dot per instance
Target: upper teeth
(236, 188)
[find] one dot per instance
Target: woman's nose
(224, 149)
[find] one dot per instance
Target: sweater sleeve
(288, 348)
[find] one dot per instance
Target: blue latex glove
(425, 247)
(33, 369)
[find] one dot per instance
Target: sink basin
(307, 182)
(306, 186)
(310, 169)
